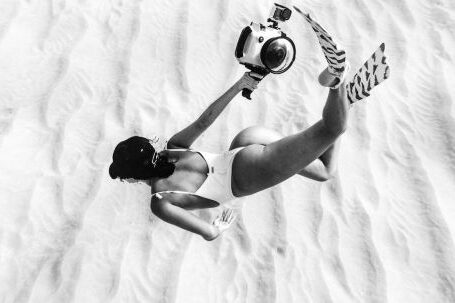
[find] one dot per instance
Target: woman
(258, 158)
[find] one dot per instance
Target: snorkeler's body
(259, 158)
(191, 168)
(266, 159)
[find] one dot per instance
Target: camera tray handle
(256, 76)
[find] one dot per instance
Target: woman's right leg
(258, 167)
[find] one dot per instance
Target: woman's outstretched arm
(188, 135)
(165, 210)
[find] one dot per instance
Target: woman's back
(190, 173)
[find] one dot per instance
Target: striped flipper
(373, 72)
(336, 57)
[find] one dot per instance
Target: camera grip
(256, 76)
(246, 93)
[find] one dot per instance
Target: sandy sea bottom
(79, 76)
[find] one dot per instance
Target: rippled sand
(79, 76)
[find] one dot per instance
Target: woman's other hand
(224, 221)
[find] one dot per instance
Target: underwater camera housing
(266, 49)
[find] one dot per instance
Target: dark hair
(132, 158)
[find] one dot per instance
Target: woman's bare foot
(333, 81)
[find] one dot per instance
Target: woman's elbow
(326, 176)
(322, 178)
(158, 208)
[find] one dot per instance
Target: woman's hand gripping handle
(249, 82)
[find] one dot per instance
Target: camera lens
(278, 54)
(275, 54)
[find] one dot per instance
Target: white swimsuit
(217, 186)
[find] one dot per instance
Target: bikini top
(204, 190)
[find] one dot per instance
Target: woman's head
(137, 158)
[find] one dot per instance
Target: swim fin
(372, 73)
(333, 75)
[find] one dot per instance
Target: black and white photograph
(227, 151)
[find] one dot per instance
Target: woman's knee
(335, 128)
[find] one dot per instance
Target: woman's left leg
(257, 167)
(320, 169)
